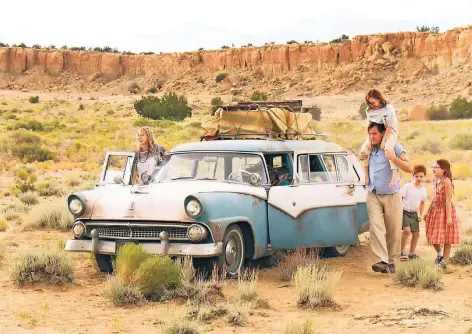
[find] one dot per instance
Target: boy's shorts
(410, 219)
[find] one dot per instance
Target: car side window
(343, 168)
(311, 168)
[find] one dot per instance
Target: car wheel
(232, 257)
(104, 263)
(335, 251)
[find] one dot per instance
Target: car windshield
(236, 167)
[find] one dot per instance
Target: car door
(318, 211)
(356, 172)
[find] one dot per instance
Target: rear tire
(335, 251)
(104, 263)
(231, 260)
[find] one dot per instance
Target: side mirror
(118, 179)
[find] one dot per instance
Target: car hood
(161, 201)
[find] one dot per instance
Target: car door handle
(351, 185)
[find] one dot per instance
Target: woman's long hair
(149, 134)
(376, 94)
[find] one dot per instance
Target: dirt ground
(369, 302)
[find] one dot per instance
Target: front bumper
(172, 249)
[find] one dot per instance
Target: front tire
(335, 251)
(232, 257)
(104, 263)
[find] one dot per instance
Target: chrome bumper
(173, 249)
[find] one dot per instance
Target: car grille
(137, 232)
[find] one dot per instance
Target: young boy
(414, 197)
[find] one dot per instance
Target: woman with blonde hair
(150, 155)
(380, 111)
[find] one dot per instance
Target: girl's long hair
(446, 166)
(149, 134)
(376, 94)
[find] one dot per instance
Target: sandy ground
(369, 302)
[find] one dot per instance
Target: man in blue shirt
(384, 203)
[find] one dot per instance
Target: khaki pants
(389, 144)
(385, 217)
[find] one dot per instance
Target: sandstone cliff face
(441, 50)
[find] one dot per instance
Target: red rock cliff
(446, 49)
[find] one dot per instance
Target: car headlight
(196, 233)
(75, 206)
(193, 208)
(79, 230)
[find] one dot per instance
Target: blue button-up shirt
(380, 172)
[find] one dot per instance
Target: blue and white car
(226, 200)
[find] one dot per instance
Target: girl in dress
(442, 228)
(150, 155)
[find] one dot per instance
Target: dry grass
(122, 294)
(419, 273)
(73, 179)
(29, 198)
(463, 254)
(316, 285)
(238, 314)
(293, 260)
(263, 303)
(44, 266)
(247, 285)
(50, 216)
(305, 328)
(177, 322)
(3, 225)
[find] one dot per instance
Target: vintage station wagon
(226, 200)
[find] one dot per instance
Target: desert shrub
(134, 88)
(208, 313)
(432, 146)
(32, 125)
(181, 325)
(247, 285)
(259, 96)
(305, 328)
(170, 107)
(11, 214)
(316, 285)
(263, 303)
(238, 314)
(362, 110)
(216, 101)
(340, 39)
(201, 81)
(468, 231)
(220, 77)
(73, 179)
(156, 274)
(122, 294)
(128, 260)
(29, 198)
(438, 113)
(461, 171)
(433, 29)
(32, 153)
(463, 254)
(25, 137)
(48, 188)
(46, 266)
(460, 109)
(292, 42)
(315, 112)
(461, 141)
(293, 260)
(54, 216)
(153, 90)
(418, 273)
(81, 106)
(33, 99)
(3, 225)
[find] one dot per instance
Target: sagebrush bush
(461, 109)
(32, 125)
(220, 77)
(152, 90)
(48, 188)
(44, 266)
(315, 112)
(216, 101)
(316, 285)
(247, 285)
(52, 216)
(291, 261)
(122, 294)
(29, 198)
(362, 110)
(305, 328)
(463, 254)
(129, 259)
(170, 107)
(73, 179)
(180, 324)
(238, 314)
(156, 274)
(259, 96)
(438, 113)
(33, 99)
(419, 273)
(3, 225)
(32, 153)
(462, 141)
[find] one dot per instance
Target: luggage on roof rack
(253, 121)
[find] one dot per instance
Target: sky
(187, 25)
